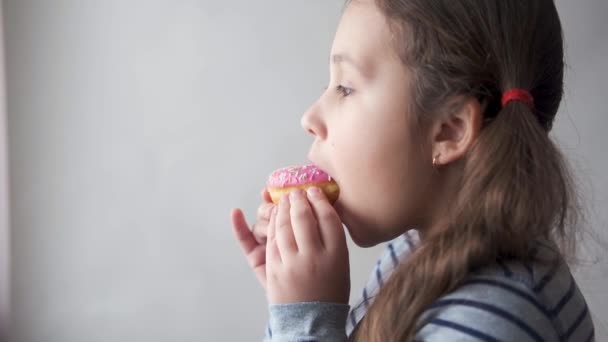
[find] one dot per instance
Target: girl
(437, 116)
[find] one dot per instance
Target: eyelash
(343, 91)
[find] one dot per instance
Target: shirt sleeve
(307, 322)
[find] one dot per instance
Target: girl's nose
(312, 122)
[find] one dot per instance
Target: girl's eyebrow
(343, 58)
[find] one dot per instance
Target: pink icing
(297, 175)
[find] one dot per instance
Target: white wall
(4, 209)
(134, 126)
(581, 130)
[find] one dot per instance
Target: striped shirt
(508, 301)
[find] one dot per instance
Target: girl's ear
(455, 131)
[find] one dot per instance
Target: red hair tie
(516, 94)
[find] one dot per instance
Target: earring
(435, 159)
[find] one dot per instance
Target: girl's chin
(362, 243)
(357, 231)
(361, 235)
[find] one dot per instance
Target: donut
(284, 180)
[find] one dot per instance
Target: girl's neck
(447, 186)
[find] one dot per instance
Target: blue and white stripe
(527, 302)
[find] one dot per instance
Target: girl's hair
(516, 186)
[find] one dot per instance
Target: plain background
(4, 209)
(134, 127)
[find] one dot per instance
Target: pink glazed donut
(286, 179)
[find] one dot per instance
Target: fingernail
(285, 199)
(314, 192)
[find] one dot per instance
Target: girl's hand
(306, 253)
(253, 240)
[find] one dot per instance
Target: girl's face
(363, 135)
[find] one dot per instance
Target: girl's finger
(273, 256)
(330, 225)
(266, 196)
(284, 231)
(241, 231)
(260, 231)
(304, 223)
(263, 213)
(254, 252)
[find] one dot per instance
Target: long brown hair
(516, 186)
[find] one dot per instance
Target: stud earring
(435, 162)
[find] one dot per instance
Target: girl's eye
(344, 91)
